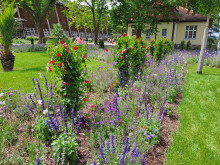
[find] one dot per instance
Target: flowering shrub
(130, 58)
(68, 61)
(161, 48)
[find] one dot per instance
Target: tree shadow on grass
(37, 69)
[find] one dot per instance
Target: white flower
(45, 111)
(2, 103)
(39, 101)
(1, 94)
(40, 75)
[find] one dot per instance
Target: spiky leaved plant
(7, 31)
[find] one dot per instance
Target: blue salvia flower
(93, 163)
(38, 161)
(41, 95)
(162, 108)
(135, 155)
(32, 111)
(126, 111)
(113, 145)
(53, 124)
(65, 118)
(46, 83)
(51, 91)
(35, 105)
(33, 81)
(72, 118)
(102, 155)
(108, 146)
(122, 160)
(143, 159)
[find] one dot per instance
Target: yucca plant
(7, 31)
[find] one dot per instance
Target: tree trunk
(40, 31)
(203, 47)
(96, 36)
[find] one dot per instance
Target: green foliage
(42, 131)
(30, 38)
(57, 32)
(68, 61)
(161, 48)
(101, 44)
(44, 41)
(7, 27)
(130, 58)
(64, 148)
(182, 45)
(188, 45)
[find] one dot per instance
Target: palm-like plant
(7, 31)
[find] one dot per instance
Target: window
(164, 33)
(147, 34)
(134, 32)
(190, 32)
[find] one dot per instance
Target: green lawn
(29, 65)
(197, 141)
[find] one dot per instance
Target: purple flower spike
(38, 161)
(143, 159)
(102, 155)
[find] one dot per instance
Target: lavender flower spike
(143, 159)
(102, 155)
(38, 161)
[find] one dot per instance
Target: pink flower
(59, 55)
(87, 81)
(51, 62)
(65, 83)
(65, 45)
(122, 57)
(49, 69)
(124, 51)
(78, 40)
(84, 56)
(60, 64)
(132, 48)
(113, 43)
(93, 106)
(106, 50)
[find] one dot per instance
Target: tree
(96, 11)
(38, 10)
(7, 31)
(141, 13)
(209, 8)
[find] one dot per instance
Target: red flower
(51, 62)
(140, 41)
(59, 55)
(124, 51)
(93, 106)
(141, 38)
(76, 47)
(62, 42)
(136, 36)
(65, 45)
(132, 48)
(149, 39)
(124, 35)
(146, 50)
(155, 46)
(113, 43)
(143, 47)
(65, 83)
(87, 81)
(85, 99)
(49, 69)
(122, 57)
(84, 56)
(149, 48)
(106, 50)
(60, 64)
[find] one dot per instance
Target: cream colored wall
(181, 28)
(163, 25)
(179, 33)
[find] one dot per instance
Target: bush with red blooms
(160, 48)
(68, 61)
(130, 57)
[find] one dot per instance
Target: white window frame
(190, 32)
(164, 33)
(147, 34)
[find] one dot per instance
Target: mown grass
(198, 139)
(29, 65)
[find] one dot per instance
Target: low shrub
(101, 44)
(182, 45)
(188, 45)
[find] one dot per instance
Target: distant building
(28, 28)
(183, 26)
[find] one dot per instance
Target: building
(182, 27)
(28, 28)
